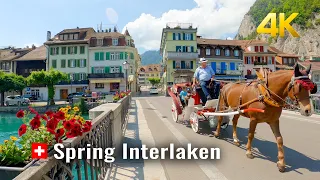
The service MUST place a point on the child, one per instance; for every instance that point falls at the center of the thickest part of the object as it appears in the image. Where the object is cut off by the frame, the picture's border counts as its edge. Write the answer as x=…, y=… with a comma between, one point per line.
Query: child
x=183, y=94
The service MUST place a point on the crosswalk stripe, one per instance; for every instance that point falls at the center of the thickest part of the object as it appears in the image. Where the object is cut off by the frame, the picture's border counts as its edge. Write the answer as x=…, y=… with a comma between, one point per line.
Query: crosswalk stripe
x=208, y=168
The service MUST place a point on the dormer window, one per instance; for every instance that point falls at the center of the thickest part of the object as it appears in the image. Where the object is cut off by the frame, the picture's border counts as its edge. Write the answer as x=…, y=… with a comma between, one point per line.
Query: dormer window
x=227, y=52
x=99, y=42
x=128, y=42
x=76, y=36
x=217, y=52
x=61, y=37
x=115, y=41
x=65, y=37
x=150, y=69
x=236, y=52
x=71, y=36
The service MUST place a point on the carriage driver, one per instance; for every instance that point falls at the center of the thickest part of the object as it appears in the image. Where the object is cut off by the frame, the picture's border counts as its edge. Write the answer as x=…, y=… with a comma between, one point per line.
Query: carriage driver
x=204, y=74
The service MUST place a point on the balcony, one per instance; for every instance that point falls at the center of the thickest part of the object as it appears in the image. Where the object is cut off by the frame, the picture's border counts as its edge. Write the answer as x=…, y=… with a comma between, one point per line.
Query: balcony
x=181, y=55
x=106, y=75
x=73, y=82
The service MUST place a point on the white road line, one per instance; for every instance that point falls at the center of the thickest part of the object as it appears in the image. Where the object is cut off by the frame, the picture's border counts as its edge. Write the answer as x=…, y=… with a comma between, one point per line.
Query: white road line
x=208, y=168
x=152, y=169
x=306, y=119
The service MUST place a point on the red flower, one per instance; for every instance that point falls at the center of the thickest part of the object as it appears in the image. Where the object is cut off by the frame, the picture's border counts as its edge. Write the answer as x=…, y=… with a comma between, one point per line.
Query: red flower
x=68, y=125
x=59, y=115
x=52, y=124
x=35, y=123
x=49, y=113
x=51, y=131
x=20, y=114
x=44, y=117
x=22, y=129
x=37, y=116
x=32, y=110
x=60, y=132
x=73, y=121
x=76, y=130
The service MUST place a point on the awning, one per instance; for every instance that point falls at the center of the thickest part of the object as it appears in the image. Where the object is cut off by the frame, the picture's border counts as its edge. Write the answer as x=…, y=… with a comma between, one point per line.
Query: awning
x=105, y=81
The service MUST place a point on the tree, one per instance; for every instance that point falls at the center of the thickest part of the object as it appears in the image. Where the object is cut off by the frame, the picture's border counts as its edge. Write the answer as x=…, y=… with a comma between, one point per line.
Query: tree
x=154, y=81
x=48, y=78
x=10, y=82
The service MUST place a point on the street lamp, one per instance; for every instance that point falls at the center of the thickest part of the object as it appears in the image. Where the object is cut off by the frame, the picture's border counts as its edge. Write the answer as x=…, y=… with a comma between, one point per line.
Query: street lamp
x=241, y=66
x=126, y=67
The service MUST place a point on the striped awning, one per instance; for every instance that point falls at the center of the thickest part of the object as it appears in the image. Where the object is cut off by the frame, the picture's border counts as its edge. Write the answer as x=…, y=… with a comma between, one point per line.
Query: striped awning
x=105, y=81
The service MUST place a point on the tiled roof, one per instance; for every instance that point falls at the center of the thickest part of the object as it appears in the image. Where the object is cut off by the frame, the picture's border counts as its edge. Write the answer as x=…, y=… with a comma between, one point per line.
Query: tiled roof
x=204, y=41
x=11, y=54
x=76, y=30
x=36, y=54
x=152, y=66
x=107, y=34
x=84, y=35
x=280, y=53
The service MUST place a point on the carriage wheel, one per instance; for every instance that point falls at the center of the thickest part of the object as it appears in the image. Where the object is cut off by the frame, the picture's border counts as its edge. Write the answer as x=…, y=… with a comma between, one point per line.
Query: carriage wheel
x=194, y=121
x=174, y=113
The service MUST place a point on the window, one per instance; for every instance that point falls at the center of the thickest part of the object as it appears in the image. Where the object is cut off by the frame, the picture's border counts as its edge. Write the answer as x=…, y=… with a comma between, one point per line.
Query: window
x=116, y=55
x=72, y=76
x=65, y=37
x=128, y=42
x=187, y=36
x=72, y=63
x=72, y=50
x=54, y=63
x=285, y=61
x=290, y=60
x=261, y=48
x=256, y=48
x=99, y=85
x=82, y=63
x=54, y=51
x=227, y=52
x=99, y=42
x=83, y=76
x=316, y=77
x=63, y=63
x=178, y=36
x=82, y=50
x=249, y=60
x=99, y=70
x=114, y=69
x=61, y=37
x=64, y=50
x=71, y=36
x=236, y=52
x=114, y=86
x=269, y=60
x=76, y=36
x=217, y=52
x=112, y=56
x=207, y=51
x=115, y=42
x=198, y=51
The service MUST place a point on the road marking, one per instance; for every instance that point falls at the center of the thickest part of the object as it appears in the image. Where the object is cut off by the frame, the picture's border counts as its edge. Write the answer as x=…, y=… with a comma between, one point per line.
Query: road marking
x=152, y=169
x=208, y=168
x=301, y=119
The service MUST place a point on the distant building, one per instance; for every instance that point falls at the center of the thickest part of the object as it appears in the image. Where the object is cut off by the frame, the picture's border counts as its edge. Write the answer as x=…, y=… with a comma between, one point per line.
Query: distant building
x=7, y=55
x=284, y=60
x=315, y=67
x=148, y=71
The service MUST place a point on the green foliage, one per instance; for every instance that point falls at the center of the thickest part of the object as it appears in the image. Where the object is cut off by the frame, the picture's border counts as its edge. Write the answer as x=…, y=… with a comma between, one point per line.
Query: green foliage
x=317, y=22
x=49, y=78
x=253, y=35
x=305, y=8
x=270, y=40
x=309, y=25
x=10, y=82
x=83, y=107
x=154, y=81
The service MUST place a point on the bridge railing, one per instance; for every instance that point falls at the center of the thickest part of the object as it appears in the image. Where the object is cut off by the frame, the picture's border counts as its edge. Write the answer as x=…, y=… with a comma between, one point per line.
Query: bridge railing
x=315, y=98
x=108, y=126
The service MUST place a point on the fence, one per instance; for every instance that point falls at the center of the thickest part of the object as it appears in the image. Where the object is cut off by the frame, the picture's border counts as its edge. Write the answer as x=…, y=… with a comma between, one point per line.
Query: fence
x=107, y=126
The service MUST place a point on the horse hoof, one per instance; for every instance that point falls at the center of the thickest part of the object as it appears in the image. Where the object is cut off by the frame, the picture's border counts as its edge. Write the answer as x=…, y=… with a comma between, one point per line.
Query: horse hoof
x=250, y=156
x=281, y=168
x=237, y=143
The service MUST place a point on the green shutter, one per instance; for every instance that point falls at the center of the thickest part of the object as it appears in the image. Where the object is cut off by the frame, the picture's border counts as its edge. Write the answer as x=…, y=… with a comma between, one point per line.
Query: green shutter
x=77, y=76
x=131, y=56
x=63, y=49
x=121, y=55
x=92, y=70
x=57, y=50
x=101, y=56
x=69, y=62
x=51, y=51
x=120, y=69
x=96, y=56
x=85, y=63
x=107, y=55
x=78, y=63
x=191, y=36
x=174, y=36
x=69, y=50
x=107, y=69
x=75, y=49
x=63, y=63
x=173, y=64
x=54, y=63
x=82, y=50
x=126, y=55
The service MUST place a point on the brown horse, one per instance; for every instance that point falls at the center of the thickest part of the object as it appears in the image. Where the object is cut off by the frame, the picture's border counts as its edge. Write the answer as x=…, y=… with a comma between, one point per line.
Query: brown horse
x=268, y=95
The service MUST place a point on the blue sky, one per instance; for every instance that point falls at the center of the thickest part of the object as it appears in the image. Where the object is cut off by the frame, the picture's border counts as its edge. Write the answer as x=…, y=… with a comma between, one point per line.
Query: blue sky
x=25, y=22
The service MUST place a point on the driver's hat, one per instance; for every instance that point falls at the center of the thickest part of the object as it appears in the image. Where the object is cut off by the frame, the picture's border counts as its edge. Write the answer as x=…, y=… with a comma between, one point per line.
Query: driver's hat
x=203, y=60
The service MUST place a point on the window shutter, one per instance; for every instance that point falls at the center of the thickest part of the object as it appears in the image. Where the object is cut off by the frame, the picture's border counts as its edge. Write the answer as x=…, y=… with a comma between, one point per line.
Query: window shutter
x=69, y=62
x=191, y=36
x=121, y=55
x=75, y=49
x=131, y=56
x=78, y=62
x=101, y=56
x=126, y=54
x=272, y=60
x=92, y=70
x=51, y=51
x=54, y=63
x=192, y=48
x=174, y=36
x=69, y=50
x=85, y=63
x=120, y=69
x=179, y=36
x=232, y=66
x=107, y=55
x=57, y=50
x=96, y=56
x=173, y=64
x=183, y=64
x=184, y=36
x=107, y=69
x=183, y=49
x=191, y=64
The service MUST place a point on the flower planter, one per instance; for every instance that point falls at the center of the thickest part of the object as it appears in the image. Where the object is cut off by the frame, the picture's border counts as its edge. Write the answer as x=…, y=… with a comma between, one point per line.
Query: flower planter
x=8, y=173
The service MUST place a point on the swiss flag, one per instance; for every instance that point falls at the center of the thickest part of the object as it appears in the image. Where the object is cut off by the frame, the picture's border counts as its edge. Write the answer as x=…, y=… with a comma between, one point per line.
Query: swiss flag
x=39, y=151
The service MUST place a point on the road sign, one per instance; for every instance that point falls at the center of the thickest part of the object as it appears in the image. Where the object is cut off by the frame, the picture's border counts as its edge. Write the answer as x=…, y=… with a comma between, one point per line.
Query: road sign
x=28, y=89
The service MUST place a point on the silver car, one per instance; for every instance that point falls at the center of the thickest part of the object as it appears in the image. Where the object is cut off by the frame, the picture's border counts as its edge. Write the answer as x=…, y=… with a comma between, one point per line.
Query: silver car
x=16, y=100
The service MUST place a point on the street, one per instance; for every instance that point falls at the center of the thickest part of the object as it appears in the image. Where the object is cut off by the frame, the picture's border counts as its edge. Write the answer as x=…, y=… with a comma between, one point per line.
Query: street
x=151, y=123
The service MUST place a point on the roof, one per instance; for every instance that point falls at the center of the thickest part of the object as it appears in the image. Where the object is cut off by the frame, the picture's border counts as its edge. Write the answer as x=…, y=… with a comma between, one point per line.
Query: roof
x=315, y=65
x=203, y=41
x=108, y=34
x=11, y=54
x=152, y=66
x=280, y=53
x=36, y=54
x=126, y=33
x=76, y=30
x=84, y=35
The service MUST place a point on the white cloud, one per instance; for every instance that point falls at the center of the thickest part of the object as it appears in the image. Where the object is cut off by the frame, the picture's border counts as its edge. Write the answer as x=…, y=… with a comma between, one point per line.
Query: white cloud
x=214, y=19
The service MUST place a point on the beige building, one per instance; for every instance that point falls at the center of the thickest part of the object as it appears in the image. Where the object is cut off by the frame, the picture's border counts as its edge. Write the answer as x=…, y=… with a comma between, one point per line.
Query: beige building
x=149, y=71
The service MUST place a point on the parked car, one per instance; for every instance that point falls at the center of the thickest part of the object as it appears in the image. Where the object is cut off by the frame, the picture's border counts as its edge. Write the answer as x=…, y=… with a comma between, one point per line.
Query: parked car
x=31, y=97
x=75, y=94
x=16, y=100
x=153, y=90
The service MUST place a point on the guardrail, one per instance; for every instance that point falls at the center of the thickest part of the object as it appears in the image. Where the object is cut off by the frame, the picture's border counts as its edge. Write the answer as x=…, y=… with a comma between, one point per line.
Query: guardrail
x=108, y=124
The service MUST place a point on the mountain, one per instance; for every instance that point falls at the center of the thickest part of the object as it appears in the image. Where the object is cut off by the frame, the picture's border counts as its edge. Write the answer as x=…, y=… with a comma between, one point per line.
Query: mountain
x=307, y=24
x=151, y=57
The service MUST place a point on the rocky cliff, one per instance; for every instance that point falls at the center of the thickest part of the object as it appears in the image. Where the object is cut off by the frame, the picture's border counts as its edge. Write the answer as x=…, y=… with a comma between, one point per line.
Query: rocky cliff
x=307, y=44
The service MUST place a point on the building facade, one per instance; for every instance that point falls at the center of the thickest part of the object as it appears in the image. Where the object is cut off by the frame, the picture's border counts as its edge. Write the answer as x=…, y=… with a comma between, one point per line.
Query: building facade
x=179, y=51
x=8, y=55
x=107, y=53
x=149, y=71
x=35, y=60
x=224, y=57
x=284, y=60
x=68, y=53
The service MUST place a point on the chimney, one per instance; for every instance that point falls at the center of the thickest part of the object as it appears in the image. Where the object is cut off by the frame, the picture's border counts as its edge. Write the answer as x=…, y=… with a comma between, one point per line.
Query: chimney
x=33, y=46
x=109, y=29
x=48, y=35
x=115, y=29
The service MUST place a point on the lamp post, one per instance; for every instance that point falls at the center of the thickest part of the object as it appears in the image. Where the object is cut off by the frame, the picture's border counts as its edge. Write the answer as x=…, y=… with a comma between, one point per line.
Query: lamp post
x=126, y=67
x=241, y=66
x=71, y=79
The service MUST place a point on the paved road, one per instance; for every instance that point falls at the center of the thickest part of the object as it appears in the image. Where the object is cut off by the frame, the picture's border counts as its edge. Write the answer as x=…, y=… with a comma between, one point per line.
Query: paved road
x=154, y=125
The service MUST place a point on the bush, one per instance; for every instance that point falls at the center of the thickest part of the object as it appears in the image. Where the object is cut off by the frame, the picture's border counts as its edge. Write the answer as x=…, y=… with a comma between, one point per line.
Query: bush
x=83, y=107
x=317, y=22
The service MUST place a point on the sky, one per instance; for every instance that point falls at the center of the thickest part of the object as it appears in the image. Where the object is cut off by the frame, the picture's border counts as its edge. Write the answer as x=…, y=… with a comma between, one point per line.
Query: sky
x=24, y=23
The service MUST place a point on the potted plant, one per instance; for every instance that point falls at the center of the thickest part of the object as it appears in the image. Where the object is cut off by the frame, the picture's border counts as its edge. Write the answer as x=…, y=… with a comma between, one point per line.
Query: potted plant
x=49, y=128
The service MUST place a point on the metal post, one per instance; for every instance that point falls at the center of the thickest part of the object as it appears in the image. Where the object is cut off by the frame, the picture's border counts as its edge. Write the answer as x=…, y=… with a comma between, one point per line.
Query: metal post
x=126, y=79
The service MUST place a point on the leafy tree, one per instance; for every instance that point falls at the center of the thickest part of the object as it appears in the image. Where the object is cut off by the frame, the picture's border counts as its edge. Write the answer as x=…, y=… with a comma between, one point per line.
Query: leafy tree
x=10, y=82
x=154, y=81
x=48, y=78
